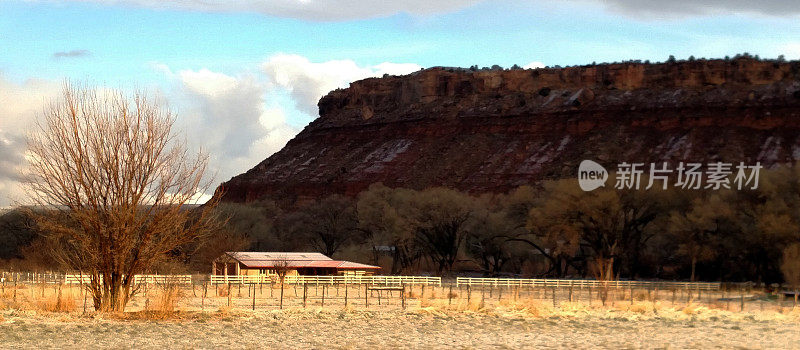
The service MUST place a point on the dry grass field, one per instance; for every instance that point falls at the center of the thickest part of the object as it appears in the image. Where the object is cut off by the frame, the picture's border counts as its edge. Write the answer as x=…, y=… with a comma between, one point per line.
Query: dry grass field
x=182, y=318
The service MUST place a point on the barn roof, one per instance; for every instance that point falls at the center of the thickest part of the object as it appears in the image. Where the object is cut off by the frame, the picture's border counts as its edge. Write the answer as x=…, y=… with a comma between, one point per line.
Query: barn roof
x=293, y=260
x=288, y=256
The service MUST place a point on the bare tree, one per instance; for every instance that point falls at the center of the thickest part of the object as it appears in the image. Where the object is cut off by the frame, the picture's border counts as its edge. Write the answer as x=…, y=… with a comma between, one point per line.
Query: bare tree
x=281, y=266
x=790, y=265
x=118, y=184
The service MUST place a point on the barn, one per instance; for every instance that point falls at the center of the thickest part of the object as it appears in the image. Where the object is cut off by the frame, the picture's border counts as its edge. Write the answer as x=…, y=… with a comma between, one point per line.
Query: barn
x=267, y=263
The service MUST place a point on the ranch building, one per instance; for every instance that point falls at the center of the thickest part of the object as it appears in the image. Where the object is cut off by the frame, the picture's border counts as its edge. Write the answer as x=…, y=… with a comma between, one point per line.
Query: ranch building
x=266, y=263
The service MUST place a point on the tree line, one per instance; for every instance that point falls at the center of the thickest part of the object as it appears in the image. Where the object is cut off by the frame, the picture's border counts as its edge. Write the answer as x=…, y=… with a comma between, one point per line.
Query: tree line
x=553, y=230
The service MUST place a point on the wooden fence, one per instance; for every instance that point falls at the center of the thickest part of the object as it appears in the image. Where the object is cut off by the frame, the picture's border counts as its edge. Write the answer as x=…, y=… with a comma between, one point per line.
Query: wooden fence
x=558, y=283
x=58, y=278
x=330, y=280
x=151, y=279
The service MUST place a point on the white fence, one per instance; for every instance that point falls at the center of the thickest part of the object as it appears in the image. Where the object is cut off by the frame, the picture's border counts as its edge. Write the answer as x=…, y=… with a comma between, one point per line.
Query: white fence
x=330, y=280
x=531, y=282
x=374, y=280
x=157, y=279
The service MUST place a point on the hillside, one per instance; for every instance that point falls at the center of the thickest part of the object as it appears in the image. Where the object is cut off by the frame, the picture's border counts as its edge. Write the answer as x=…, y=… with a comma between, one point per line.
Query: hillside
x=493, y=130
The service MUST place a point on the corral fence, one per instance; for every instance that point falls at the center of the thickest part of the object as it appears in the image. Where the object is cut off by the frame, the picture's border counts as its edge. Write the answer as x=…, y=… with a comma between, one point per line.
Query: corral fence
x=561, y=283
x=60, y=278
x=329, y=280
x=205, y=291
x=150, y=279
x=50, y=277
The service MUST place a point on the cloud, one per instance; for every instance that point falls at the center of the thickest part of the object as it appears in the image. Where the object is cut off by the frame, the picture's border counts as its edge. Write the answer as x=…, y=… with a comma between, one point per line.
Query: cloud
x=315, y=10
x=791, y=50
x=71, y=54
x=237, y=119
x=22, y=102
x=534, y=65
x=226, y=116
x=308, y=81
x=681, y=8
x=343, y=10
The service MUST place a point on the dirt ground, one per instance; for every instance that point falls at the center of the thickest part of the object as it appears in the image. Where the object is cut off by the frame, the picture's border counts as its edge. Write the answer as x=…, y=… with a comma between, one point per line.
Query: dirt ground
x=429, y=320
x=414, y=328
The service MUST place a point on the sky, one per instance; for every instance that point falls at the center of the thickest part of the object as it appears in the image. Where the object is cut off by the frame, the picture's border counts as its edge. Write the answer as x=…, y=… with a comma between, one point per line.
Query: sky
x=244, y=76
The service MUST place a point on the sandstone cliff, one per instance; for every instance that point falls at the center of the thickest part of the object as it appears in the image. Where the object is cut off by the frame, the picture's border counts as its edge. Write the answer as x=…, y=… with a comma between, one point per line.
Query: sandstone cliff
x=490, y=131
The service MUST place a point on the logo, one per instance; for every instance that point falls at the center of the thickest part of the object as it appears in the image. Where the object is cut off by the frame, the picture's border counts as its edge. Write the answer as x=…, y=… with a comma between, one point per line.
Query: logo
x=591, y=175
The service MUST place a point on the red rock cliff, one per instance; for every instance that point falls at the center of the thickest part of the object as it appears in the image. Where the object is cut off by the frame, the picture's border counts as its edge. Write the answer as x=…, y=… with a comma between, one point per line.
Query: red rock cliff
x=490, y=131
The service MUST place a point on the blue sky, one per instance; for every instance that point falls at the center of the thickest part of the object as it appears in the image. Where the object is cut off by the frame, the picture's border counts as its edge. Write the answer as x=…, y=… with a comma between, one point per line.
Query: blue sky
x=122, y=40
x=257, y=67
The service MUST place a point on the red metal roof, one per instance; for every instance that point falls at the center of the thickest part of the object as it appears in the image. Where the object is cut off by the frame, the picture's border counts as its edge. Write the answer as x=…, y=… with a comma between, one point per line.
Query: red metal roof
x=356, y=266
x=266, y=260
x=329, y=263
x=341, y=264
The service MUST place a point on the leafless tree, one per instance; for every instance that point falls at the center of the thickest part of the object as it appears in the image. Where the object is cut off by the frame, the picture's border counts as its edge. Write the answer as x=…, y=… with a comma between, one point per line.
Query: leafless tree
x=281, y=266
x=790, y=265
x=118, y=186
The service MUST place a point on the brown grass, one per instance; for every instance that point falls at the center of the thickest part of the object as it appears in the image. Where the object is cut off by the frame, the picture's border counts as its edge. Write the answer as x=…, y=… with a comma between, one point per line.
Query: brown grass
x=165, y=300
x=57, y=302
x=44, y=298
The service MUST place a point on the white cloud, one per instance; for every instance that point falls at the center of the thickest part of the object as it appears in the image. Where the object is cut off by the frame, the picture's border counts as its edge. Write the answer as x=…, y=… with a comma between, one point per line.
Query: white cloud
x=22, y=102
x=790, y=50
x=308, y=81
x=342, y=10
x=226, y=116
x=71, y=54
x=679, y=8
x=316, y=10
x=534, y=65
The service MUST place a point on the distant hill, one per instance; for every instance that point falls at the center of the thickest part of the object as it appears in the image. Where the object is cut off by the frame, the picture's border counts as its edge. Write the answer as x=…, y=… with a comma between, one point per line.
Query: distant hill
x=493, y=130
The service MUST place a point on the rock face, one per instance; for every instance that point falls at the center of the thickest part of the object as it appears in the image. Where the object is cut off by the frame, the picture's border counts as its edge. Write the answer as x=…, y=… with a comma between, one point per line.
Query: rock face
x=490, y=131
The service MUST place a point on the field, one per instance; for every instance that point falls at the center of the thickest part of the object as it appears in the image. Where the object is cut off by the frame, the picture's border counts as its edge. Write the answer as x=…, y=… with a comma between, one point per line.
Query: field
x=435, y=318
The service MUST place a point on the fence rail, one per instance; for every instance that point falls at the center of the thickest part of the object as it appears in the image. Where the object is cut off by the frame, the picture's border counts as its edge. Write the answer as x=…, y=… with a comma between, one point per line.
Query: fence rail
x=58, y=278
x=524, y=282
x=152, y=279
x=330, y=280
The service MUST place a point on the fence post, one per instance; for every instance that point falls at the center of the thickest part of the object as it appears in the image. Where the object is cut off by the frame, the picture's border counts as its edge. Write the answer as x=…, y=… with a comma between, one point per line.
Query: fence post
x=450, y=296
x=741, y=300
x=366, y=295
x=570, y=291
x=254, y=295
x=305, y=292
x=402, y=295
x=203, y=301
x=554, y=297
x=469, y=294
x=631, y=287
